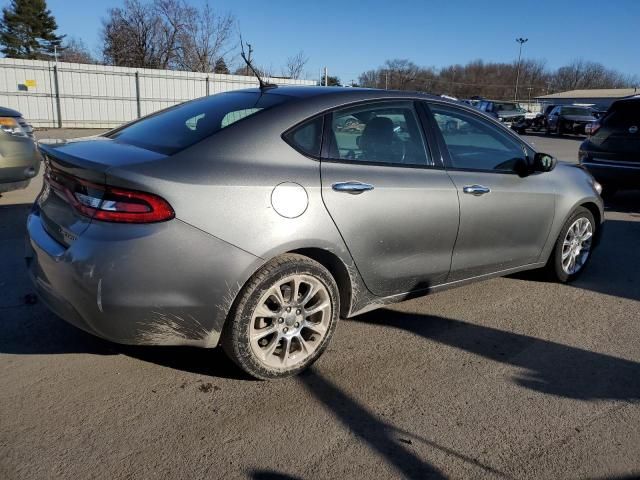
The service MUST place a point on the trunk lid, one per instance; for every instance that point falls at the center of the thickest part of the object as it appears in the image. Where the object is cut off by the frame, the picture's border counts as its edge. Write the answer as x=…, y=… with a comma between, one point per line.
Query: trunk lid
x=74, y=169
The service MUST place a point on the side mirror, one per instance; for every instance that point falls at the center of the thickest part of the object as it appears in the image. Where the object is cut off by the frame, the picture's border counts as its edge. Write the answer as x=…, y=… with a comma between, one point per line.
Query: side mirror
x=543, y=162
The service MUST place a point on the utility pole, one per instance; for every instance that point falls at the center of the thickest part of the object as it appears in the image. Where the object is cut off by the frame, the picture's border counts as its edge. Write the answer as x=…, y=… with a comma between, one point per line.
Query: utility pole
x=386, y=79
x=326, y=77
x=521, y=41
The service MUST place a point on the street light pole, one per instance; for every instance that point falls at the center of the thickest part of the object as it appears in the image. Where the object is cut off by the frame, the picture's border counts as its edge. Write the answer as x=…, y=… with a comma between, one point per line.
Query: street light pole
x=521, y=41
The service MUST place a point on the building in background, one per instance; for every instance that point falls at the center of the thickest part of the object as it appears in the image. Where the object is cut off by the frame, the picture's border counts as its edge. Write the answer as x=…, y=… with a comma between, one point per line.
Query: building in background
x=599, y=97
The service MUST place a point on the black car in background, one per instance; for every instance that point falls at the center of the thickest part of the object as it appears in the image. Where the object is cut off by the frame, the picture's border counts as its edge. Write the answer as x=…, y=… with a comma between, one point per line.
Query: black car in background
x=569, y=119
x=612, y=151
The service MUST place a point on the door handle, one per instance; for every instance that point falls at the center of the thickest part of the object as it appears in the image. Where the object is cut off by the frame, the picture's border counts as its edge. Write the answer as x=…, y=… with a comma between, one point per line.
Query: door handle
x=476, y=190
x=352, y=187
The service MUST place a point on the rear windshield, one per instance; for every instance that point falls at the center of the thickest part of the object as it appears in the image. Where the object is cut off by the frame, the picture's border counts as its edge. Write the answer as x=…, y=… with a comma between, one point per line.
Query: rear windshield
x=179, y=127
x=506, y=107
x=623, y=114
x=576, y=111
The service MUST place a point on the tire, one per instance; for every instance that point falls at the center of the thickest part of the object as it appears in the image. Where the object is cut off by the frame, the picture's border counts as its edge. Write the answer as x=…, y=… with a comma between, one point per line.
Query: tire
x=557, y=264
x=291, y=333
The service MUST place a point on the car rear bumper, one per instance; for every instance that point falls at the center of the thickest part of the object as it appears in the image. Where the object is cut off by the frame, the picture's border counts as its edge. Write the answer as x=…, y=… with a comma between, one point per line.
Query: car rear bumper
x=621, y=174
x=575, y=127
x=158, y=284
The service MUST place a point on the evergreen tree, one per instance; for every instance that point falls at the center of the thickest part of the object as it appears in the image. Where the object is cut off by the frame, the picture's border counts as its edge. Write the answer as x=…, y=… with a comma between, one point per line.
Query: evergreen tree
x=221, y=66
x=28, y=30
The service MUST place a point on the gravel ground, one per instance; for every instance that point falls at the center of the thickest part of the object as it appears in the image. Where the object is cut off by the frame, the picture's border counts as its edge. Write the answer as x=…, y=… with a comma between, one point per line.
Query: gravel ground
x=510, y=378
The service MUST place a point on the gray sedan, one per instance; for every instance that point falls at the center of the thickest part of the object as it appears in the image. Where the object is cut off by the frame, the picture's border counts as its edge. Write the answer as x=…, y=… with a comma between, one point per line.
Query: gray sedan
x=255, y=219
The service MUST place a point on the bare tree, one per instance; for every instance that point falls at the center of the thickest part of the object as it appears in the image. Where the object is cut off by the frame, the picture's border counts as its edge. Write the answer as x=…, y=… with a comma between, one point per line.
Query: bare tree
x=581, y=74
x=205, y=41
x=131, y=36
x=295, y=65
x=175, y=19
x=75, y=51
x=168, y=34
x=493, y=80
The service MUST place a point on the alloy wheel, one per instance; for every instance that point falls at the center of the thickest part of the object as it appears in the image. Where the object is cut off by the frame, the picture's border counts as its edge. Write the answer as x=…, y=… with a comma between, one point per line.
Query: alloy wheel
x=576, y=246
x=290, y=322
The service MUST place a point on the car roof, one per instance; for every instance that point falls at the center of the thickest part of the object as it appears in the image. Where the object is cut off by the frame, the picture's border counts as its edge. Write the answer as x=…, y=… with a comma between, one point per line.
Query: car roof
x=9, y=112
x=626, y=101
x=339, y=92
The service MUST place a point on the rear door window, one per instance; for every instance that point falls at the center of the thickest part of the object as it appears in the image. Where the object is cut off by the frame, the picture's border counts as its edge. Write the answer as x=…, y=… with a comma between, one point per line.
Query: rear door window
x=179, y=127
x=383, y=132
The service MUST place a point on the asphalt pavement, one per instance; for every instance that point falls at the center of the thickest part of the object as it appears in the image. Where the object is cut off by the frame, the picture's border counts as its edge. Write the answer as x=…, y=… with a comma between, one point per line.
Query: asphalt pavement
x=509, y=378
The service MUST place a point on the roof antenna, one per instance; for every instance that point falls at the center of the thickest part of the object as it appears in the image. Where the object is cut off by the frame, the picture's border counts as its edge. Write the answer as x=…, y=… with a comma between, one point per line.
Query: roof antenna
x=263, y=85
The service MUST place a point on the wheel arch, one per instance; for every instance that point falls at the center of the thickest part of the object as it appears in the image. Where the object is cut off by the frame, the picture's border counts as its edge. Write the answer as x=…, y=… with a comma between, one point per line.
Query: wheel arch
x=597, y=216
x=338, y=271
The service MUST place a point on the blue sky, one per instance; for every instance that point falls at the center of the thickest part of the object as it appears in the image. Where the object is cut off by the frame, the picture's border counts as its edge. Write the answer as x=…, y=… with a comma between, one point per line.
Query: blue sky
x=350, y=37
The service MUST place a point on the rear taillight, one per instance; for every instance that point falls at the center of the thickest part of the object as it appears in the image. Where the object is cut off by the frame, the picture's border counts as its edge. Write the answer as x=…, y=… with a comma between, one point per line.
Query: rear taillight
x=110, y=204
x=592, y=128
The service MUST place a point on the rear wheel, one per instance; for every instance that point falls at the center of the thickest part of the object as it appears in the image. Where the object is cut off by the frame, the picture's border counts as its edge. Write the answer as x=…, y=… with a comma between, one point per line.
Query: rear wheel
x=284, y=318
x=573, y=246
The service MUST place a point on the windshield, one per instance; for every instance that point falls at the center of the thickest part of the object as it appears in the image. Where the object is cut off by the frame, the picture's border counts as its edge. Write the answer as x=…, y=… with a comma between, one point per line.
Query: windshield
x=181, y=126
x=506, y=107
x=576, y=111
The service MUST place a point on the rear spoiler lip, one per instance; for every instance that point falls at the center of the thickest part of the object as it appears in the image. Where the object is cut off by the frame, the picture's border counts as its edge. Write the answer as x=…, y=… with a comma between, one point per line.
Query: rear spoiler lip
x=77, y=167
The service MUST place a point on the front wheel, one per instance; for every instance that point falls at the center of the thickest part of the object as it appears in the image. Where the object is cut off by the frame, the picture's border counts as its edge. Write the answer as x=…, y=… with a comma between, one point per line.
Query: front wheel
x=573, y=246
x=283, y=319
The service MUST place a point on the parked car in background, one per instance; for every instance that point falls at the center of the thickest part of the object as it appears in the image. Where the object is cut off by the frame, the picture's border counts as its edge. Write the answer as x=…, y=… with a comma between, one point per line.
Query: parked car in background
x=531, y=121
x=19, y=158
x=509, y=113
x=280, y=220
x=611, y=152
x=569, y=119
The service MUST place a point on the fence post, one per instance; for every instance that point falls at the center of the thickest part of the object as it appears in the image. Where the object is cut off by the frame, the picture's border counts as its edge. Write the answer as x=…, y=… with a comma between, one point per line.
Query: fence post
x=57, y=94
x=207, y=89
x=138, y=94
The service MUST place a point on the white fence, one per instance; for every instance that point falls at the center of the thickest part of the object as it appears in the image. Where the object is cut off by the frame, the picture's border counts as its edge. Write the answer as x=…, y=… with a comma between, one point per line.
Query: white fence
x=96, y=96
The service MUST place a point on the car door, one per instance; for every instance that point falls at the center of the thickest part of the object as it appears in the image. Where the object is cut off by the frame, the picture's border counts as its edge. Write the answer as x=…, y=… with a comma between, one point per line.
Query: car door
x=395, y=207
x=504, y=218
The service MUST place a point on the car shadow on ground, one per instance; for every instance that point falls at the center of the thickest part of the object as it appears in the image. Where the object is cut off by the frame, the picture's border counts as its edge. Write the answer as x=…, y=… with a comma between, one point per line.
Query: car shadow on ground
x=548, y=367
